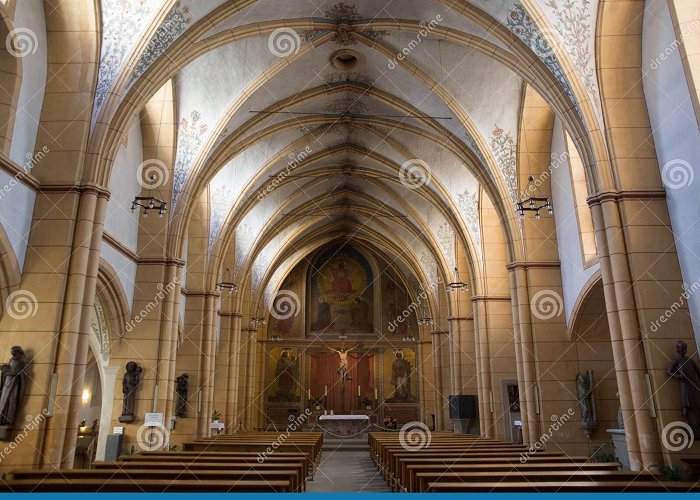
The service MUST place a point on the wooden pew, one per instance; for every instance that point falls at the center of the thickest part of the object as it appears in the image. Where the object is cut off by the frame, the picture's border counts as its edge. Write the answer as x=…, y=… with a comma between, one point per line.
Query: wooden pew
x=418, y=476
x=558, y=487
x=138, y=475
x=214, y=458
x=144, y=485
x=425, y=480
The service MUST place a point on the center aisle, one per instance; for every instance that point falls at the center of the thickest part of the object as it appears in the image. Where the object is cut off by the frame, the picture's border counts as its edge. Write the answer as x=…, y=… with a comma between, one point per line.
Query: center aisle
x=346, y=469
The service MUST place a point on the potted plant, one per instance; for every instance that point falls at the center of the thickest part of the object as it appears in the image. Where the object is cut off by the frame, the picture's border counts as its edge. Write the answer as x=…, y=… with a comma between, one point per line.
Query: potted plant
x=215, y=416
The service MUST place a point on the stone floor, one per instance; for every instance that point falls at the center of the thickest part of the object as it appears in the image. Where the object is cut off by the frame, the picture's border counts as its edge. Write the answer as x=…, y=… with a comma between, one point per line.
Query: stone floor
x=345, y=466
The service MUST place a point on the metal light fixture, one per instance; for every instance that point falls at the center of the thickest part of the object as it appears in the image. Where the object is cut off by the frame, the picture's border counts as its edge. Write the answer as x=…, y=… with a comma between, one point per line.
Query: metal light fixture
x=533, y=203
x=424, y=318
x=229, y=285
x=275, y=338
x=148, y=203
x=257, y=319
x=456, y=285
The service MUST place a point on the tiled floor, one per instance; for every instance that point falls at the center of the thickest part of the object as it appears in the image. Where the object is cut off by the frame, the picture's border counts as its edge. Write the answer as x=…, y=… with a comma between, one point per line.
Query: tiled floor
x=347, y=471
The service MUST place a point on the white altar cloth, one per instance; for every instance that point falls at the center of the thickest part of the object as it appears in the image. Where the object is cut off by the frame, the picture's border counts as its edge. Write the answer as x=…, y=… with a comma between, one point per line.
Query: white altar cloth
x=343, y=417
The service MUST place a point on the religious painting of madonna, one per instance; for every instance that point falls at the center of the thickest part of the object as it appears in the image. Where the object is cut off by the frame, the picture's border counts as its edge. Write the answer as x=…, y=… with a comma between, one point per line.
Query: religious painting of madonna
x=341, y=293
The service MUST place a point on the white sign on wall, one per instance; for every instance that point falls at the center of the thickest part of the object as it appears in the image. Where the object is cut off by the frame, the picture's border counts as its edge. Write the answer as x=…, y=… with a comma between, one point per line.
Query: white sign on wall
x=153, y=419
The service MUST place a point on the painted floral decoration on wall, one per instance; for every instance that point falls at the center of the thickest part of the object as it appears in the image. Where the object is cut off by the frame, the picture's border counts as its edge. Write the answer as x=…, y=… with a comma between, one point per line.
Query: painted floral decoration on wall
x=504, y=149
x=219, y=206
x=174, y=25
x=574, y=26
x=122, y=23
x=469, y=204
x=522, y=25
x=446, y=237
x=190, y=136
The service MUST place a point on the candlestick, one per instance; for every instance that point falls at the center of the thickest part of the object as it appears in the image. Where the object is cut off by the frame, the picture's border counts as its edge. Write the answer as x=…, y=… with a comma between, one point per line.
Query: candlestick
x=325, y=391
x=309, y=393
x=376, y=394
x=358, y=390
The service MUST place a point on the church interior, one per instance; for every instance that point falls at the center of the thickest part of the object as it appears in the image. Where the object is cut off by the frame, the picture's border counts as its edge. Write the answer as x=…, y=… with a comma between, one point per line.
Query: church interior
x=372, y=246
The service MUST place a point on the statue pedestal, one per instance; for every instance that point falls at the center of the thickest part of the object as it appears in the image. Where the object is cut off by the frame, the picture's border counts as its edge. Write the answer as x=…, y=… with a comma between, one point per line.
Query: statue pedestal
x=5, y=432
x=127, y=419
x=620, y=442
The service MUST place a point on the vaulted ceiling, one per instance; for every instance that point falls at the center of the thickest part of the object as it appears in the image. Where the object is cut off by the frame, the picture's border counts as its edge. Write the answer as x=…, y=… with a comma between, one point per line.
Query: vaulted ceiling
x=387, y=121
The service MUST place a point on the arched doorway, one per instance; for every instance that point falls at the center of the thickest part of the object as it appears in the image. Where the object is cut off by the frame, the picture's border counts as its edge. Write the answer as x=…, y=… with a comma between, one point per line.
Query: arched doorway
x=99, y=379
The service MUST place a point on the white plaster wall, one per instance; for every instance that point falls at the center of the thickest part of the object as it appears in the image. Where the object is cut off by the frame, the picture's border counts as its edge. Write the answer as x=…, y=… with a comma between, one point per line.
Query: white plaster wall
x=16, y=209
x=573, y=274
x=676, y=137
x=29, y=14
x=120, y=222
x=123, y=266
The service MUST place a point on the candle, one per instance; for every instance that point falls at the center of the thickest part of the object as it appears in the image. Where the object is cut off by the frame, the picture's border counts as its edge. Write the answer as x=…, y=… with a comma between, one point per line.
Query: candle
x=325, y=390
x=309, y=393
x=358, y=390
x=376, y=394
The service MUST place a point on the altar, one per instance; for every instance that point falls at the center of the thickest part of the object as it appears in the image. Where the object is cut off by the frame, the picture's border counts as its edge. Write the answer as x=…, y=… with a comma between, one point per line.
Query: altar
x=344, y=425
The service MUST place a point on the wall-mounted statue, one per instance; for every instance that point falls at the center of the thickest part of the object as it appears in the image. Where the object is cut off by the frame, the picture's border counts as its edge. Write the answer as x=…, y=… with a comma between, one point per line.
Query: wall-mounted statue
x=687, y=373
x=286, y=373
x=588, y=419
x=130, y=381
x=12, y=390
x=183, y=385
x=401, y=379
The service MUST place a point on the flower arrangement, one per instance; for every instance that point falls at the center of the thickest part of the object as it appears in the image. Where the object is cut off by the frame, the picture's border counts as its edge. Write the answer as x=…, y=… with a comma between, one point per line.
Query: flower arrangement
x=390, y=422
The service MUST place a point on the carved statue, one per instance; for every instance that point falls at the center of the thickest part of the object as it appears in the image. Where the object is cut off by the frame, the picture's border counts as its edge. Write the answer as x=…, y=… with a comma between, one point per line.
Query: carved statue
x=588, y=420
x=344, y=365
x=12, y=392
x=183, y=385
x=686, y=371
x=130, y=381
x=401, y=379
x=286, y=376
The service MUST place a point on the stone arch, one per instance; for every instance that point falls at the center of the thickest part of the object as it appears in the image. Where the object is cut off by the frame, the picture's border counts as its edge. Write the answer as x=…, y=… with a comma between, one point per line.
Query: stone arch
x=10, y=274
x=10, y=81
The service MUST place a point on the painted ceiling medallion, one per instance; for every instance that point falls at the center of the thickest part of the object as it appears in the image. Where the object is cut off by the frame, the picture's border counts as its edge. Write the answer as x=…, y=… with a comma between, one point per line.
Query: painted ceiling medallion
x=349, y=105
x=352, y=77
x=346, y=18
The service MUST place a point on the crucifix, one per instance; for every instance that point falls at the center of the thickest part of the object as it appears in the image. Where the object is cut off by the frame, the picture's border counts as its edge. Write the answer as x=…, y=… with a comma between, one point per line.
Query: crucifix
x=343, y=368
